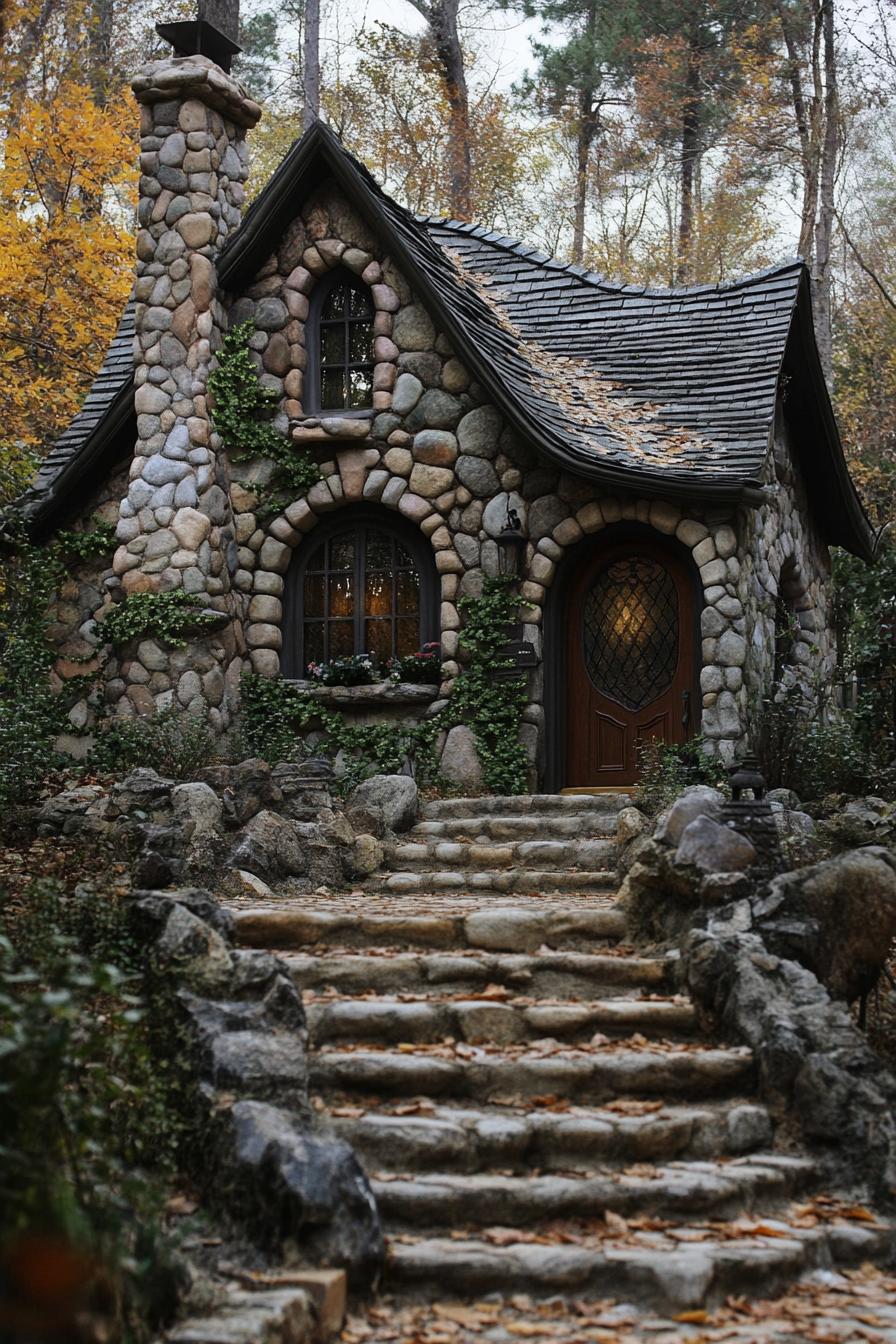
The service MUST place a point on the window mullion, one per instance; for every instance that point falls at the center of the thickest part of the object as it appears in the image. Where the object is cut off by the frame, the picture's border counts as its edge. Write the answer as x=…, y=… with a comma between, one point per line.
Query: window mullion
x=360, y=594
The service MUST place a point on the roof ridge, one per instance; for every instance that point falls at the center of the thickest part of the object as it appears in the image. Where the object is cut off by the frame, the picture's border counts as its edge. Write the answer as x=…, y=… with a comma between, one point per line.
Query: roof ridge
x=495, y=238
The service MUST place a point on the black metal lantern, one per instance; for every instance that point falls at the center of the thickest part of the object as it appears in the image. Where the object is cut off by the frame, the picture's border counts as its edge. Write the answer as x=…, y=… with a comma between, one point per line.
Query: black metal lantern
x=511, y=544
x=753, y=817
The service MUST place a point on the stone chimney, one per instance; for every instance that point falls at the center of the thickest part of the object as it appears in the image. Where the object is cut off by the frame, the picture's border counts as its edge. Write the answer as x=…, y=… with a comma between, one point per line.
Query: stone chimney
x=175, y=528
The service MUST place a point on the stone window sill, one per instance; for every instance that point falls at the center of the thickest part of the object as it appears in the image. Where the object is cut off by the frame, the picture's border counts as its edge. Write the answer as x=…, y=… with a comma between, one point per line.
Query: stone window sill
x=380, y=693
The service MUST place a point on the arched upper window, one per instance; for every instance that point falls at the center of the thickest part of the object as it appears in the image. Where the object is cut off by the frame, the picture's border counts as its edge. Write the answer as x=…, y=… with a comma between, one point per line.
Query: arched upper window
x=340, y=345
x=365, y=585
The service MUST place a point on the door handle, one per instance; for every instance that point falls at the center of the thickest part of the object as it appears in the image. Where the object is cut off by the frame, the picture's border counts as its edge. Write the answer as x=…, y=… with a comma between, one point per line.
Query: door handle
x=685, y=708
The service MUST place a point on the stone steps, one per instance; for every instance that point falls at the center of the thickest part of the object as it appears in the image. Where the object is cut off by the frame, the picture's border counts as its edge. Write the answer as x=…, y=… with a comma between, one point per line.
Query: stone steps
x=393, y=1021
x=695, y=1189
x=671, y=1277
x=507, y=929
x=458, y=1139
x=565, y=975
x=525, y=804
x=496, y=881
x=523, y=856
x=537, y=1111
x=581, y=825
x=589, y=1077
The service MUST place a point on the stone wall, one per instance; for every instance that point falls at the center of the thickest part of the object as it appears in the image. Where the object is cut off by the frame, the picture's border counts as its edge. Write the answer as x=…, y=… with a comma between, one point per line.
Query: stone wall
x=175, y=525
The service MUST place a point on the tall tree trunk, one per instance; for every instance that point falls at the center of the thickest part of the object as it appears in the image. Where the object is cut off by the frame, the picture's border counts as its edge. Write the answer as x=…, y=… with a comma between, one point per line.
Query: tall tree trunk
x=441, y=17
x=587, y=130
x=100, y=49
x=311, y=64
x=690, y=153
x=807, y=118
x=821, y=270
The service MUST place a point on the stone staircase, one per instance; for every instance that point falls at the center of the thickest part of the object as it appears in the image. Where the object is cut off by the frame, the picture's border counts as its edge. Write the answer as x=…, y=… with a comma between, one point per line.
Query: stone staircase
x=536, y=1108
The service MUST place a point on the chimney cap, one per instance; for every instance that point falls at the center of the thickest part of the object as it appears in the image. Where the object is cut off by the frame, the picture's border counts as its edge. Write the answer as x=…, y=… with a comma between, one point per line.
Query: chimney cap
x=198, y=37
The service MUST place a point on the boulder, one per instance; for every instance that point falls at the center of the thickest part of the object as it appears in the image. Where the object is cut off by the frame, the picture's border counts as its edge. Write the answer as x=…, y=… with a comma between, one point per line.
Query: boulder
x=55, y=812
x=698, y=801
x=862, y=821
x=365, y=856
x=199, y=804
x=460, y=759
x=245, y=789
x=786, y=797
x=837, y=918
x=142, y=791
x=392, y=797
x=711, y=848
x=150, y=910
x=191, y=950
x=269, y=846
x=292, y=1186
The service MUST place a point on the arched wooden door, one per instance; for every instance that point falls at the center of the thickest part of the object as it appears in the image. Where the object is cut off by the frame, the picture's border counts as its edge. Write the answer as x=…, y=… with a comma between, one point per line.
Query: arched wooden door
x=629, y=661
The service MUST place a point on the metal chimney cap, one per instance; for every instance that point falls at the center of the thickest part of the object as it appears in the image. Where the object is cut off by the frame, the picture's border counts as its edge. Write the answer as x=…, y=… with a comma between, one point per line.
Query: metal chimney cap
x=198, y=37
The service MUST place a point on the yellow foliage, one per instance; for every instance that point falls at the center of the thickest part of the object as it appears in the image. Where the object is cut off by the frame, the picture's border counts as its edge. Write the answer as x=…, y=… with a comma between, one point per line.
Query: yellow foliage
x=66, y=240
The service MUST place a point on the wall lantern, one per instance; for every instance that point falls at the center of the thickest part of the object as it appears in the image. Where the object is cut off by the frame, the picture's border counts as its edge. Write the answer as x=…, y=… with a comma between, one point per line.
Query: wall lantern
x=511, y=544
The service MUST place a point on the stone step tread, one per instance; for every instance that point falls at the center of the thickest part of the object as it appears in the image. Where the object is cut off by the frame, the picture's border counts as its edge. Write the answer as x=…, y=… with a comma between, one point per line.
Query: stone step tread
x=650, y=1268
x=473, y=1138
x=677, y=1189
x=498, y=826
x=470, y=854
x=558, y=973
x=508, y=929
x=522, y=880
x=487, y=1019
x=547, y=804
x=588, y=1076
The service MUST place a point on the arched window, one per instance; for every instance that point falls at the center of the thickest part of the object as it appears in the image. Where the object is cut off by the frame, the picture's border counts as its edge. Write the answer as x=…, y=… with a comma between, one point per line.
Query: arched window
x=340, y=345
x=365, y=585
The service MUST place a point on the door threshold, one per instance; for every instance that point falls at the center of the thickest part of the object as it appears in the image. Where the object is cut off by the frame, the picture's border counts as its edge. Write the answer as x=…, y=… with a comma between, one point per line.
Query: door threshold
x=601, y=788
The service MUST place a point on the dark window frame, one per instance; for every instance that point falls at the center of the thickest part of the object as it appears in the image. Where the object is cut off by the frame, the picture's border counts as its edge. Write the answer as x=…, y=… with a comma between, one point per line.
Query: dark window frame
x=313, y=403
x=357, y=521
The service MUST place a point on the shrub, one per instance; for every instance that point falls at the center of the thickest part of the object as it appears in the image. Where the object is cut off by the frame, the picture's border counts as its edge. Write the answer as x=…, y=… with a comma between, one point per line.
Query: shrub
x=87, y=1135
x=800, y=748
x=176, y=744
x=666, y=771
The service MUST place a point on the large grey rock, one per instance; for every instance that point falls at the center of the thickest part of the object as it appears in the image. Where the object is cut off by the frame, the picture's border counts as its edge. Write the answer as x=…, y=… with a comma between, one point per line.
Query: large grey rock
x=460, y=760
x=698, y=801
x=245, y=789
x=269, y=846
x=200, y=805
x=296, y=1187
x=191, y=951
x=142, y=791
x=150, y=910
x=394, y=797
x=261, y=1066
x=838, y=918
x=712, y=848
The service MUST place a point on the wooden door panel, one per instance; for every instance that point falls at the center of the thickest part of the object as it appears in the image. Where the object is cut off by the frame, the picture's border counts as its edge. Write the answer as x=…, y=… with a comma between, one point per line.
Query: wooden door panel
x=629, y=660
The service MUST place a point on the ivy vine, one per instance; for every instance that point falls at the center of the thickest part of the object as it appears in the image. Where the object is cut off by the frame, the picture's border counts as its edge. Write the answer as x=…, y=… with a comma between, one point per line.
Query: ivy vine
x=489, y=701
x=276, y=713
x=242, y=412
x=485, y=697
x=167, y=616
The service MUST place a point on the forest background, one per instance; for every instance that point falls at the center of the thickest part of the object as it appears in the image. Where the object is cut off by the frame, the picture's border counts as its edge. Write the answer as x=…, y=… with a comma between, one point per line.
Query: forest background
x=657, y=142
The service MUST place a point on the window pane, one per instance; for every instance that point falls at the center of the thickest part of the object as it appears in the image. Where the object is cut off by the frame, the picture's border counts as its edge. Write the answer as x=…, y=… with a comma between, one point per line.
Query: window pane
x=341, y=595
x=342, y=553
x=314, y=642
x=314, y=595
x=378, y=638
x=359, y=347
x=407, y=636
x=378, y=595
x=332, y=388
x=360, y=387
x=402, y=557
x=334, y=304
x=358, y=303
x=317, y=559
x=378, y=551
x=408, y=593
x=342, y=638
x=332, y=345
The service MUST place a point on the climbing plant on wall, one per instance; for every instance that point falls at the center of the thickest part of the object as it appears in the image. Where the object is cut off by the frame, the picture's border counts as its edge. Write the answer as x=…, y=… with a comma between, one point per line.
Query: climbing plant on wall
x=242, y=412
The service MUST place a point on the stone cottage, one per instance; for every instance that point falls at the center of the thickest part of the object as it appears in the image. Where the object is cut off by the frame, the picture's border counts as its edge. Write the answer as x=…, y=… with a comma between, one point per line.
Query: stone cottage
x=661, y=467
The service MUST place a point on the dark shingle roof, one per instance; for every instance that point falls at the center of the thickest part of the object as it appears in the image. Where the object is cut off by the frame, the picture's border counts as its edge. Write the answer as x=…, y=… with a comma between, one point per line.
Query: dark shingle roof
x=660, y=392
